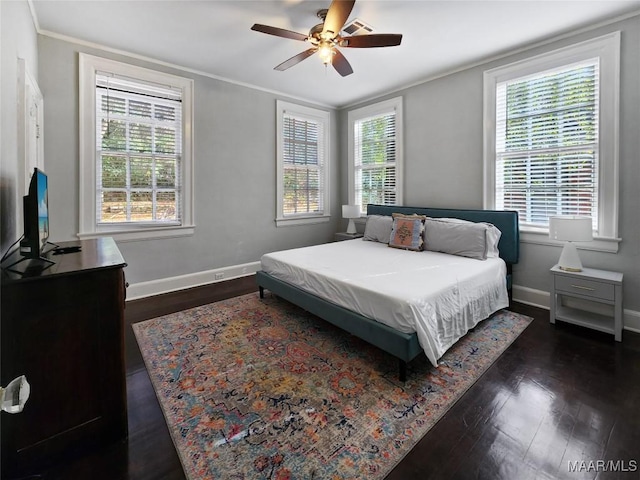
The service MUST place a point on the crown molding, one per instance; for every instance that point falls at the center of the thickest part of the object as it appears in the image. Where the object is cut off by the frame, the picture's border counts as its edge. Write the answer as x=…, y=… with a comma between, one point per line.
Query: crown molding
x=182, y=68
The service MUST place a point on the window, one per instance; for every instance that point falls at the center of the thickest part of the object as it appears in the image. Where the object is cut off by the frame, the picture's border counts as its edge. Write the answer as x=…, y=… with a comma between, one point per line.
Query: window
x=303, y=166
x=375, y=154
x=551, y=136
x=135, y=151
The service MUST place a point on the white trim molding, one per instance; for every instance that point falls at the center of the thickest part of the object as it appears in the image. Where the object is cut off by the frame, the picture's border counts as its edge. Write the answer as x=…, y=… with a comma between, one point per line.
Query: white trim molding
x=606, y=49
x=392, y=105
x=541, y=237
x=139, y=290
x=30, y=124
x=88, y=66
x=323, y=119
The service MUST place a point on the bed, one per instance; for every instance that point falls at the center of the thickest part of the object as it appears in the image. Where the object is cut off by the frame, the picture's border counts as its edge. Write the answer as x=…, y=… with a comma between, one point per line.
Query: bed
x=384, y=306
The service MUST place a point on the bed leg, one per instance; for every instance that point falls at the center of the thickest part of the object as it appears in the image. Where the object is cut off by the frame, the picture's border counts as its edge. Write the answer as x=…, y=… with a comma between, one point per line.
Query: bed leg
x=261, y=291
x=403, y=371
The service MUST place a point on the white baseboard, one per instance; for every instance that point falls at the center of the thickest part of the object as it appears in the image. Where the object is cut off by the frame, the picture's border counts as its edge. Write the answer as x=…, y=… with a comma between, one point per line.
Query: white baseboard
x=172, y=284
x=631, y=320
x=540, y=298
x=530, y=296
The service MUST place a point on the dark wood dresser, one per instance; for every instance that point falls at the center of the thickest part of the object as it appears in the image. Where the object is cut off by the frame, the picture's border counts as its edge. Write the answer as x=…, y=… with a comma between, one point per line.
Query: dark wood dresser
x=63, y=327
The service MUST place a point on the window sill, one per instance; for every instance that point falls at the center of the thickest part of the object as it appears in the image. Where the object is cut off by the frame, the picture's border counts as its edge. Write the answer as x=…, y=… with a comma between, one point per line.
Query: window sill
x=136, y=234
x=541, y=237
x=292, y=221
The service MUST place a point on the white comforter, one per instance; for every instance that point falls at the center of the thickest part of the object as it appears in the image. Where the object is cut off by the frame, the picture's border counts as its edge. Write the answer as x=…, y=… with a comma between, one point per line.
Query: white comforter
x=436, y=295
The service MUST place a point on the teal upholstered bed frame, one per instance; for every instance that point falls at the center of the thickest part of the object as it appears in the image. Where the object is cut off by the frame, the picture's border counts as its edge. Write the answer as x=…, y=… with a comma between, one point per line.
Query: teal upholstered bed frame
x=404, y=346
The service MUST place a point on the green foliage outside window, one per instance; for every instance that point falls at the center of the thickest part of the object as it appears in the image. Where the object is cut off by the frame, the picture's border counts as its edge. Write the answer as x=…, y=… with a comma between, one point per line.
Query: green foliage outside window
x=377, y=153
x=549, y=154
x=139, y=160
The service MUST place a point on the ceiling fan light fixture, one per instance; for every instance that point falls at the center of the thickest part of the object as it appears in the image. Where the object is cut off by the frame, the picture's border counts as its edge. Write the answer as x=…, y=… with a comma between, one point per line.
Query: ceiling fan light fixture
x=326, y=52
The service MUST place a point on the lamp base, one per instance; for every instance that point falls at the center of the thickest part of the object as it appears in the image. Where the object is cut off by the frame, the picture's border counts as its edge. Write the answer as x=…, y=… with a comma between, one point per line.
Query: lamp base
x=569, y=269
x=351, y=228
x=569, y=259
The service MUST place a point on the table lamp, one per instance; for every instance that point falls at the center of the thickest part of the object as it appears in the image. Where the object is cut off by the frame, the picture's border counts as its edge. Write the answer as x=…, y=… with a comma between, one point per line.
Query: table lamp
x=351, y=212
x=570, y=228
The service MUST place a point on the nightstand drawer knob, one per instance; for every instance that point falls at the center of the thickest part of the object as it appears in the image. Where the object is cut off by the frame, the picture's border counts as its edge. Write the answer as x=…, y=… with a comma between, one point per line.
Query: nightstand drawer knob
x=582, y=287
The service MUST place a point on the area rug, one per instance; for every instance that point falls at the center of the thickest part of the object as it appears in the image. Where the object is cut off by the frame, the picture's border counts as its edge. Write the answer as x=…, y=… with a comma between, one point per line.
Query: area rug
x=259, y=389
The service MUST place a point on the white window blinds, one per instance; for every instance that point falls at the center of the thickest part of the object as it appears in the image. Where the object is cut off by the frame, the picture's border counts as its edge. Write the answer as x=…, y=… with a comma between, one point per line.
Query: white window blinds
x=375, y=155
x=139, y=149
x=303, y=164
x=547, y=144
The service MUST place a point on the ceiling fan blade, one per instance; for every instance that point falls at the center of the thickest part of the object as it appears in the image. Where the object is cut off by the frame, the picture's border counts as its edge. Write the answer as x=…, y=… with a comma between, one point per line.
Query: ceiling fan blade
x=337, y=15
x=374, y=40
x=340, y=63
x=295, y=59
x=279, y=32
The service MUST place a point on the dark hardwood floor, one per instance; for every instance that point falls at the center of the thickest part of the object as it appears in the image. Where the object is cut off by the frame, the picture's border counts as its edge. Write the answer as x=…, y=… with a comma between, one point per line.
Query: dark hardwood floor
x=558, y=398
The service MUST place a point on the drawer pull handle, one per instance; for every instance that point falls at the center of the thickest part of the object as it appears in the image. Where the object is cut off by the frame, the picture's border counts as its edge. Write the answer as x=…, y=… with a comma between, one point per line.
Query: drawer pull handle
x=582, y=287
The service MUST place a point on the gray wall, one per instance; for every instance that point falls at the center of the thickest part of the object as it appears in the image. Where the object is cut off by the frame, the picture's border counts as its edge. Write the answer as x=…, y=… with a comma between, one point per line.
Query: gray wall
x=18, y=39
x=234, y=164
x=443, y=122
x=235, y=176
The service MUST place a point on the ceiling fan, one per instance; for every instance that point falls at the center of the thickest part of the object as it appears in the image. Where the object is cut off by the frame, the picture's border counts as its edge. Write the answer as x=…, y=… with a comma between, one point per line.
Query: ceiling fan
x=325, y=38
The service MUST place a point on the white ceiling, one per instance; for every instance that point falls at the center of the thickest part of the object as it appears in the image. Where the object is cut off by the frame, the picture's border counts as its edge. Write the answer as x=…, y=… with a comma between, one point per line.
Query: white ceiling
x=214, y=37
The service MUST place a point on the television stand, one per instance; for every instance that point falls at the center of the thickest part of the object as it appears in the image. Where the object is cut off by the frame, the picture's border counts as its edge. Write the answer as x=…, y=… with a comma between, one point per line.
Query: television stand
x=63, y=328
x=37, y=265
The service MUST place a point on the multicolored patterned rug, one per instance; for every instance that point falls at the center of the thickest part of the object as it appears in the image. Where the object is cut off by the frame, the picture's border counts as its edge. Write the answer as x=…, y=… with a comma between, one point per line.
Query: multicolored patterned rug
x=260, y=389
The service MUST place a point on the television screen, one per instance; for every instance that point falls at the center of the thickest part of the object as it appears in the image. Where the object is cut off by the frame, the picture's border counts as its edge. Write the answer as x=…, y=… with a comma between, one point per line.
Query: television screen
x=36, y=216
x=43, y=209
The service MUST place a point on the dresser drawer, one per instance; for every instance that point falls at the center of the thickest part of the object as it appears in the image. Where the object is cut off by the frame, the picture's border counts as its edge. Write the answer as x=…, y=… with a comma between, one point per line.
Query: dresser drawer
x=587, y=288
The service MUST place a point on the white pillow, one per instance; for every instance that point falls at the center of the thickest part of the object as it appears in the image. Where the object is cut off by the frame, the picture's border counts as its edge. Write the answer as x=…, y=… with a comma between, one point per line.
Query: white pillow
x=455, y=238
x=493, y=235
x=378, y=228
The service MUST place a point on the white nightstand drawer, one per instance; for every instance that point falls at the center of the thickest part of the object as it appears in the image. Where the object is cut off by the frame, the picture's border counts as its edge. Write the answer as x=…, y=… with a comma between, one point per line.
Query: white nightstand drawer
x=588, y=288
x=596, y=286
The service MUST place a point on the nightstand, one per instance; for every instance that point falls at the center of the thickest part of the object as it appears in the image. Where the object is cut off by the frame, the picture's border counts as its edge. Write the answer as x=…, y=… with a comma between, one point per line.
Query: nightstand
x=599, y=286
x=338, y=237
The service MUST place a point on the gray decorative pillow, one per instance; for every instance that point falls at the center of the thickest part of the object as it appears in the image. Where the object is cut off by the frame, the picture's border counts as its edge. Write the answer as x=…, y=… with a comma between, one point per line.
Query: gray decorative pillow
x=378, y=228
x=493, y=234
x=456, y=238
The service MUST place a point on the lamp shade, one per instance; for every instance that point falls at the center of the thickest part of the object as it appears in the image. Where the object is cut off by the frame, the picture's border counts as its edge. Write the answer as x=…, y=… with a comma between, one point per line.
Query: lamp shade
x=350, y=211
x=571, y=228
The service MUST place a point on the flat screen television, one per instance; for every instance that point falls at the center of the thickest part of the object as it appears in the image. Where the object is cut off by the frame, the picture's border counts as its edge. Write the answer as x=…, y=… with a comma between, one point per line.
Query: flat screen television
x=36, y=217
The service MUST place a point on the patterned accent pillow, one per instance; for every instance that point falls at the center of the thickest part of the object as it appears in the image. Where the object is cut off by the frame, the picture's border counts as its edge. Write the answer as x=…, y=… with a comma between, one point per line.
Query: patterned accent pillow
x=407, y=232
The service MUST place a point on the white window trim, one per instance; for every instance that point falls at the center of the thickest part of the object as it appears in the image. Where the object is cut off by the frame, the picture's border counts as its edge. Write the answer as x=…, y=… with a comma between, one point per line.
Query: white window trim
x=88, y=66
x=607, y=48
x=380, y=108
x=321, y=116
